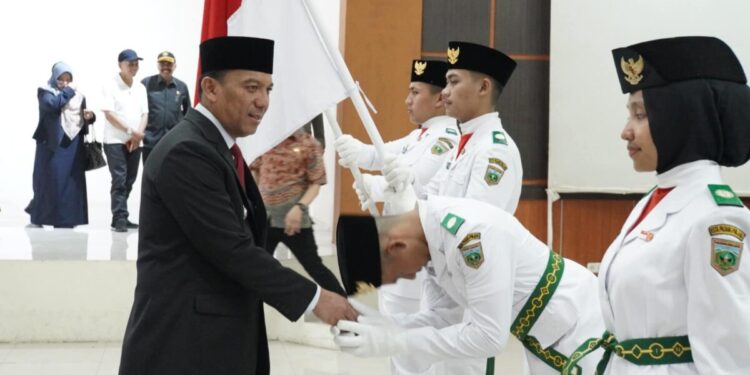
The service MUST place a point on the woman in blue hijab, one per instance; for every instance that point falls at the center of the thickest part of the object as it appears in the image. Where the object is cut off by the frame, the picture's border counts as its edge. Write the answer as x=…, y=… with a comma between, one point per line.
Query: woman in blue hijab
x=59, y=165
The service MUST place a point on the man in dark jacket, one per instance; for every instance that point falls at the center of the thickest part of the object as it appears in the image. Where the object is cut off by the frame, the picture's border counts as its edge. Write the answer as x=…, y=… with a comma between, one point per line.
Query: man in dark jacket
x=203, y=273
x=168, y=102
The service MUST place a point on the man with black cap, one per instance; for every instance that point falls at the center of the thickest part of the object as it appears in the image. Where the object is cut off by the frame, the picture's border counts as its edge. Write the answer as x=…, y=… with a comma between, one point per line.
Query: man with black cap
x=203, y=274
x=168, y=101
x=423, y=150
x=125, y=107
x=486, y=165
x=673, y=289
x=481, y=260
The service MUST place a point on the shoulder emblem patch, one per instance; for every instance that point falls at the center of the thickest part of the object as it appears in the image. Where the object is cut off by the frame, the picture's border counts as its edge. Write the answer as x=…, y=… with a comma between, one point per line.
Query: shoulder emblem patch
x=495, y=170
x=471, y=250
x=499, y=137
x=452, y=222
x=724, y=196
x=441, y=146
x=451, y=131
x=726, y=253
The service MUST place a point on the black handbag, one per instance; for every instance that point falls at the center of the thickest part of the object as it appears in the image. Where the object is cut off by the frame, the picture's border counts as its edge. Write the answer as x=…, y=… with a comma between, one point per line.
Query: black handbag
x=93, y=150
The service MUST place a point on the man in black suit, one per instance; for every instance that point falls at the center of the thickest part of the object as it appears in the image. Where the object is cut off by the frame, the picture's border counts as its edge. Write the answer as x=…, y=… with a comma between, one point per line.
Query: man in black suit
x=202, y=270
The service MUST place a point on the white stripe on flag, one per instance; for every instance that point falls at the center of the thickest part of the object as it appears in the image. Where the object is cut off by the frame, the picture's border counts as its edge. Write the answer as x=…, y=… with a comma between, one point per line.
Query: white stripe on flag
x=305, y=80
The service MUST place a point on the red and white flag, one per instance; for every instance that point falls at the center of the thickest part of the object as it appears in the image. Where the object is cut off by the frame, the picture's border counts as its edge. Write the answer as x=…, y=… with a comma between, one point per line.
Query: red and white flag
x=305, y=79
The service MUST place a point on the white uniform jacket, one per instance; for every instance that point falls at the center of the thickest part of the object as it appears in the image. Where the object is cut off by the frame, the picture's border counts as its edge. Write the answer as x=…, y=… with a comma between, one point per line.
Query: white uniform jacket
x=423, y=152
x=492, y=287
x=488, y=169
x=664, y=277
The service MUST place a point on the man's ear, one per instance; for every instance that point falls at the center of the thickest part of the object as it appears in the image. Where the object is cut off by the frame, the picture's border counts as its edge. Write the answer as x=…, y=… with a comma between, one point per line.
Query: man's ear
x=208, y=88
x=486, y=87
x=394, y=247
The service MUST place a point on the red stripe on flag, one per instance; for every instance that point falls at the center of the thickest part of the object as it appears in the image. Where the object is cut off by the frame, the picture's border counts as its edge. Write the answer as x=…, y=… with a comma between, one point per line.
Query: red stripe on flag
x=215, y=16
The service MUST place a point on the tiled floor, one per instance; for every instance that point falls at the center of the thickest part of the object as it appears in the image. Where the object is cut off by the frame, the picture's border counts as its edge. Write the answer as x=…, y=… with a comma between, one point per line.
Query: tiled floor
x=286, y=359
x=104, y=359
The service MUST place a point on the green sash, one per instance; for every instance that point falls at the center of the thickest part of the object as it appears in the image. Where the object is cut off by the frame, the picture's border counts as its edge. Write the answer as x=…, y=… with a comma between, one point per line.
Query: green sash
x=533, y=308
x=642, y=352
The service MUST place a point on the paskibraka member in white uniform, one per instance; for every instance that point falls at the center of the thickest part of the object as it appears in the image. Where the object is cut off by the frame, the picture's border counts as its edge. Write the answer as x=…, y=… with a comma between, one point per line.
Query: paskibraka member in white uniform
x=674, y=289
x=480, y=260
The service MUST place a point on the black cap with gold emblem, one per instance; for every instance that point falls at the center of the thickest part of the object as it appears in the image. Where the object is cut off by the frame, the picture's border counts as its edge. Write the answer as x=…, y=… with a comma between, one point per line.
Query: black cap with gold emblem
x=659, y=62
x=358, y=249
x=429, y=71
x=237, y=53
x=478, y=58
x=696, y=98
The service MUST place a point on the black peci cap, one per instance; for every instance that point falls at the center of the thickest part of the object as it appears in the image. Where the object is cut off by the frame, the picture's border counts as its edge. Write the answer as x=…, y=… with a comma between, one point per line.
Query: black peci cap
x=429, y=71
x=237, y=53
x=662, y=61
x=478, y=58
x=358, y=248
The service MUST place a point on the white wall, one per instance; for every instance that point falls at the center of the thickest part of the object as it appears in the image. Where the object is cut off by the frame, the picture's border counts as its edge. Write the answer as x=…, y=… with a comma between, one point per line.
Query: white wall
x=587, y=108
x=88, y=35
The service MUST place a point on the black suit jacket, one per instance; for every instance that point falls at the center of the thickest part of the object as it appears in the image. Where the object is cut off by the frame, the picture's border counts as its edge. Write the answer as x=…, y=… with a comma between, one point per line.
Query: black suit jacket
x=202, y=270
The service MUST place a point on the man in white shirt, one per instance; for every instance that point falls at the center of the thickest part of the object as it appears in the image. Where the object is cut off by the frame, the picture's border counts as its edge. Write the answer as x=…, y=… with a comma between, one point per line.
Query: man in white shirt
x=125, y=107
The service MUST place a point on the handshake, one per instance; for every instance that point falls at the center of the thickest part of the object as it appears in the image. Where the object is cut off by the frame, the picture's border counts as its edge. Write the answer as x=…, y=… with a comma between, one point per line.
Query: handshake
x=372, y=335
x=395, y=185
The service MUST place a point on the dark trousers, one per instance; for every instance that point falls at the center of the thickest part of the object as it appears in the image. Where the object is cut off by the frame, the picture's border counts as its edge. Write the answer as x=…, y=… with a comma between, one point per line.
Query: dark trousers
x=123, y=166
x=305, y=250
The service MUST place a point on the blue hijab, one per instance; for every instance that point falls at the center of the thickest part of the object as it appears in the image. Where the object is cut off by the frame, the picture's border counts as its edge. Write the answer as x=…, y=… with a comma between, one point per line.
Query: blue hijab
x=57, y=70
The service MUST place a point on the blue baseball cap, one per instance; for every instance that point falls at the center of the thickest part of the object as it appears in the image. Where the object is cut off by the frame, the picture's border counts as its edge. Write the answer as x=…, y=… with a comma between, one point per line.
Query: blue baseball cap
x=128, y=55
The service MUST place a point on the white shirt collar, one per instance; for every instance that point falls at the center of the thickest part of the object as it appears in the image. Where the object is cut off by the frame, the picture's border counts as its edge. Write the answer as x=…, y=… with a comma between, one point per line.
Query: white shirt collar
x=122, y=83
x=702, y=171
x=472, y=125
x=434, y=120
x=210, y=116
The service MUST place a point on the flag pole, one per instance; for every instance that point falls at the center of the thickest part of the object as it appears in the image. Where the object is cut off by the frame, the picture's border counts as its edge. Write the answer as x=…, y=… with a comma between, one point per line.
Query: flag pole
x=351, y=87
x=331, y=116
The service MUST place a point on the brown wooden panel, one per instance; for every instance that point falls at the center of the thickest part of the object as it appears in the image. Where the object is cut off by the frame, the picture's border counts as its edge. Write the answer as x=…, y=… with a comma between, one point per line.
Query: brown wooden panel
x=585, y=228
x=446, y=20
x=532, y=213
x=524, y=110
x=378, y=39
x=523, y=27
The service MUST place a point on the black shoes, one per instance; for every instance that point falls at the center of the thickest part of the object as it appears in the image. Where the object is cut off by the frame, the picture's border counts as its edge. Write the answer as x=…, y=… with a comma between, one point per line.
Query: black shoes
x=122, y=225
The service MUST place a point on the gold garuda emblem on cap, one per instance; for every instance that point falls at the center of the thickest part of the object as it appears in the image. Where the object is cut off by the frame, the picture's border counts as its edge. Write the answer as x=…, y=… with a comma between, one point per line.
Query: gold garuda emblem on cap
x=419, y=67
x=364, y=288
x=453, y=54
x=632, y=69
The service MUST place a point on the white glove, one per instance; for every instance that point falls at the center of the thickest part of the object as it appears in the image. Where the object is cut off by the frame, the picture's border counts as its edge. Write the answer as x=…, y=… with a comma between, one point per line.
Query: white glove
x=365, y=197
x=369, y=315
x=396, y=172
x=401, y=202
x=349, y=149
x=365, y=340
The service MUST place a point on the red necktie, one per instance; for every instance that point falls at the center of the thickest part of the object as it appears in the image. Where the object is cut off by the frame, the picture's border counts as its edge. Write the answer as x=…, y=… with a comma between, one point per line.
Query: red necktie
x=239, y=164
x=656, y=197
x=464, y=138
x=421, y=133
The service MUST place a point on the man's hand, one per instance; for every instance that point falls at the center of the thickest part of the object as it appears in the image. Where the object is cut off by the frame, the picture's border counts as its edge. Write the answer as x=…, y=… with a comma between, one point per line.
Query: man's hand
x=396, y=172
x=293, y=221
x=365, y=197
x=332, y=307
x=348, y=149
x=365, y=340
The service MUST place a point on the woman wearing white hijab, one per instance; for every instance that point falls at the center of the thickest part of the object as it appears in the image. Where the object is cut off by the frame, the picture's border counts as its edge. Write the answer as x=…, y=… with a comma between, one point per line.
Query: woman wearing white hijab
x=59, y=179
